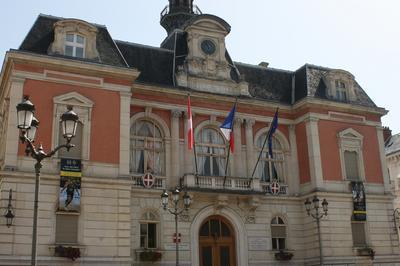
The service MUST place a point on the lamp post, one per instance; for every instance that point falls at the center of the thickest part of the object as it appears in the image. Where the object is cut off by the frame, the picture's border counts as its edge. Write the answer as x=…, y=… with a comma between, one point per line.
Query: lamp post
x=396, y=215
x=317, y=215
x=28, y=126
x=176, y=211
x=9, y=214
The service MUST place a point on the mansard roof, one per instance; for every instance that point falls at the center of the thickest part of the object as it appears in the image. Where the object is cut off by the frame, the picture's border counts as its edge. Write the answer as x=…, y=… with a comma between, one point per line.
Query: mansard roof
x=392, y=145
x=156, y=65
x=41, y=35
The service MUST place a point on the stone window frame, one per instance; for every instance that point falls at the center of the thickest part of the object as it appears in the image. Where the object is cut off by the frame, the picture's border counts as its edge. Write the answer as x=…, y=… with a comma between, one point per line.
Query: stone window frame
x=150, y=216
x=165, y=131
x=83, y=107
x=336, y=76
x=280, y=137
x=79, y=27
x=352, y=141
x=212, y=123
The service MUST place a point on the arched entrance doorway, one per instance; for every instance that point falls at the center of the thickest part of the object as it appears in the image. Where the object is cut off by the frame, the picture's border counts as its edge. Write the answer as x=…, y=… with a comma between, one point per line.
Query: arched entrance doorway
x=217, y=242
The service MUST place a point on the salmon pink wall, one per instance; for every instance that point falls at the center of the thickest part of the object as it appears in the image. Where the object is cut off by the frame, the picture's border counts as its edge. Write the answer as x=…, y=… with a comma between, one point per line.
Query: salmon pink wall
x=105, y=120
x=330, y=156
x=302, y=153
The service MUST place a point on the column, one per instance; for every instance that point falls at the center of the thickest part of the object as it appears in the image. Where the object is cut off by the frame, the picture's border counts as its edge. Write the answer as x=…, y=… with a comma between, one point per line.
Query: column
x=175, y=115
x=250, y=158
x=239, y=170
x=124, y=134
x=314, y=152
x=16, y=93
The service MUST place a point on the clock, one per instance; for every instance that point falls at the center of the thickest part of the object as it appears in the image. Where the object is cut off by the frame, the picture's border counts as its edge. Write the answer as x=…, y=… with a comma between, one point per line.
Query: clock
x=208, y=47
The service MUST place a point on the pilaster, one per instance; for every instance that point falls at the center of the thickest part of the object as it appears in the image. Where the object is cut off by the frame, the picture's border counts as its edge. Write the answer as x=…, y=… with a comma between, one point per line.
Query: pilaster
x=16, y=93
x=237, y=155
x=250, y=161
x=382, y=156
x=293, y=169
x=175, y=116
x=124, y=134
x=314, y=152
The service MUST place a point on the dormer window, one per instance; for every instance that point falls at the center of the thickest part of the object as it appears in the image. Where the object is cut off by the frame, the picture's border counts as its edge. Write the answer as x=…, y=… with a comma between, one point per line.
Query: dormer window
x=341, y=93
x=74, y=45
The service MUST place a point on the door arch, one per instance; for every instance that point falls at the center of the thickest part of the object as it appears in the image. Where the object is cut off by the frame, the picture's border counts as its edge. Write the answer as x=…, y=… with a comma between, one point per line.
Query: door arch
x=217, y=245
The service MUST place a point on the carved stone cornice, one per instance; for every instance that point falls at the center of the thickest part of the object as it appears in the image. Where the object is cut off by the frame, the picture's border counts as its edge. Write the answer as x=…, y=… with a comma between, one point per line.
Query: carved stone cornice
x=176, y=113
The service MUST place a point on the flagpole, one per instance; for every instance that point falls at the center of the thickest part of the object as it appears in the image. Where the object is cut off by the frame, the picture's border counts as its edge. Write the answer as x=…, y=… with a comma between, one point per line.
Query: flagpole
x=192, y=136
x=262, y=149
x=229, y=150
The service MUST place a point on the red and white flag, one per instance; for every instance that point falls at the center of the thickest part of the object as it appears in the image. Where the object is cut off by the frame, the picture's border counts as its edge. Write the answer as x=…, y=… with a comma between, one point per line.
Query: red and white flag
x=190, y=125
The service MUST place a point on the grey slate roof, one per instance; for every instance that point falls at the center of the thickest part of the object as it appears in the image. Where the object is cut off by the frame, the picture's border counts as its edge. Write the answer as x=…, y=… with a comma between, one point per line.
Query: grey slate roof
x=41, y=36
x=392, y=145
x=156, y=64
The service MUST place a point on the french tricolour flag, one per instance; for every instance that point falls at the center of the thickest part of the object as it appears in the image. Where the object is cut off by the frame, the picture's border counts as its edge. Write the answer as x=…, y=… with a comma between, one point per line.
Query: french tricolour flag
x=227, y=127
x=190, y=125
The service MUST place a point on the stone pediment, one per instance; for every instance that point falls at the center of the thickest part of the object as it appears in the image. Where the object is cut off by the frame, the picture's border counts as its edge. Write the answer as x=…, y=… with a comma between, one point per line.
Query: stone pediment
x=74, y=99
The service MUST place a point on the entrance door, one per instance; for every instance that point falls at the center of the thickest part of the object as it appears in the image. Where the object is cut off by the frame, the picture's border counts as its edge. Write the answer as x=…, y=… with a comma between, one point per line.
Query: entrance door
x=217, y=242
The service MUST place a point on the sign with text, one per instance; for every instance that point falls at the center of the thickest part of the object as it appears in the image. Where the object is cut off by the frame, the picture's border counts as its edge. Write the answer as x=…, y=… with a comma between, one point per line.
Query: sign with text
x=359, y=205
x=70, y=185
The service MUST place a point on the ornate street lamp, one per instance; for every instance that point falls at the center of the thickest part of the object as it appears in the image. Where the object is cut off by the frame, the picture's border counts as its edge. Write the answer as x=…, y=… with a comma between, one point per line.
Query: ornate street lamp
x=9, y=214
x=317, y=215
x=176, y=211
x=28, y=125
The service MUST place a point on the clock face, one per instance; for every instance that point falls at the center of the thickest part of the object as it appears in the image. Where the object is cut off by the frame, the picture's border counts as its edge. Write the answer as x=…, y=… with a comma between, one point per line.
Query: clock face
x=208, y=47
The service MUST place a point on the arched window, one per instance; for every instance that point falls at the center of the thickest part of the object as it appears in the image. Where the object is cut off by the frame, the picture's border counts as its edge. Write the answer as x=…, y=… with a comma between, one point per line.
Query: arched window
x=278, y=233
x=270, y=167
x=147, y=148
x=211, y=152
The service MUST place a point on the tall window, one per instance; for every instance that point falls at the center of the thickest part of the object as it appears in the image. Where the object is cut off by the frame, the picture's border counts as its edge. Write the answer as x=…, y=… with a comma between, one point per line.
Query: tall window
x=351, y=165
x=268, y=168
x=74, y=45
x=211, y=152
x=147, y=148
x=358, y=233
x=341, y=93
x=148, y=230
x=278, y=233
x=66, y=228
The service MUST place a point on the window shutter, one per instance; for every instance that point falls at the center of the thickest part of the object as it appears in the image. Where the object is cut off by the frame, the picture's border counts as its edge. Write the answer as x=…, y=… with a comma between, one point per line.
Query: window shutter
x=66, y=229
x=358, y=232
x=351, y=164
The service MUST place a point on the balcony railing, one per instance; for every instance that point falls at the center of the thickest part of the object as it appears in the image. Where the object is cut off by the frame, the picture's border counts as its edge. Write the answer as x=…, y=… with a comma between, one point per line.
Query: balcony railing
x=159, y=182
x=231, y=183
x=165, y=11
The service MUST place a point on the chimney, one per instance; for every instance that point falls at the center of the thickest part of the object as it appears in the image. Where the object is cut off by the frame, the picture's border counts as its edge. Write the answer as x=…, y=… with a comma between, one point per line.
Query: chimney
x=387, y=133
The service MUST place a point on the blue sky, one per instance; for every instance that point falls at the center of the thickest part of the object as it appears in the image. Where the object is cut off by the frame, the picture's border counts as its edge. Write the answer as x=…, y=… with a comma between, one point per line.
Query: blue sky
x=361, y=36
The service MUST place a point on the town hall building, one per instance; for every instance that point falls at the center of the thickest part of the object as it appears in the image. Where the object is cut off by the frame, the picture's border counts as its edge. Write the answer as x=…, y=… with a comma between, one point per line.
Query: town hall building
x=241, y=202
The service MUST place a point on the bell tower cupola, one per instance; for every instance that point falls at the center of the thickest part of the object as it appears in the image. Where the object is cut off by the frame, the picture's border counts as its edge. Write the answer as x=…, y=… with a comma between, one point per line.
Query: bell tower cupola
x=177, y=13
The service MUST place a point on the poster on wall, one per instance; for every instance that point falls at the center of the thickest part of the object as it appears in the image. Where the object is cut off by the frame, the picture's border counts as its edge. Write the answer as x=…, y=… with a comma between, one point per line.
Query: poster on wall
x=70, y=185
x=359, y=204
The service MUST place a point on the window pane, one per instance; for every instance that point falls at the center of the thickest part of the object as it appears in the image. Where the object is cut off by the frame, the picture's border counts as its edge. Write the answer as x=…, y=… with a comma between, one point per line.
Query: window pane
x=282, y=244
x=225, y=229
x=206, y=254
x=205, y=230
x=351, y=165
x=69, y=50
x=215, y=230
x=358, y=232
x=274, y=243
x=278, y=231
x=79, y=52
x=152, y=236
x=69, y=37
x=79, y=39
x=224, y=256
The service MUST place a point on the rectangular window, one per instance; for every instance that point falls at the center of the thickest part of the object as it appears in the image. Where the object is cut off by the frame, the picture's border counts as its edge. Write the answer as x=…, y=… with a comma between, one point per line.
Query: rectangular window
x=351, y=165
x=74, y=45
x=66, y=229
x=358, y=232
x=148, y=235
